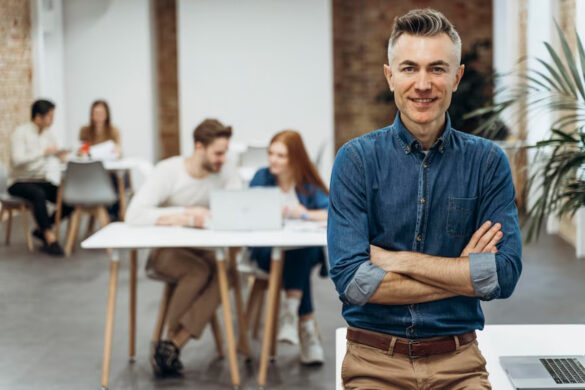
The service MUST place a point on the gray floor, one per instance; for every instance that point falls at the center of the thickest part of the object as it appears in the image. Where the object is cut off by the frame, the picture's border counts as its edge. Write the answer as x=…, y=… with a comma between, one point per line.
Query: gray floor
x=52, y=322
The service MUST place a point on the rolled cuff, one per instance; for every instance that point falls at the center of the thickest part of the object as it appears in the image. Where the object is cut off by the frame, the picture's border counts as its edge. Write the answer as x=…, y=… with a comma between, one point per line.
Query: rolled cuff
x=364, y=283
x=484, y=275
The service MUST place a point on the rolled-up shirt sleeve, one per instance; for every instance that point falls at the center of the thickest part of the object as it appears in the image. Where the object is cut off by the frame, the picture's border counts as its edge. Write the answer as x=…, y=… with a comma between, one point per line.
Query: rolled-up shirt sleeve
x=355, y=277
x=484, y=274
x=494, y=276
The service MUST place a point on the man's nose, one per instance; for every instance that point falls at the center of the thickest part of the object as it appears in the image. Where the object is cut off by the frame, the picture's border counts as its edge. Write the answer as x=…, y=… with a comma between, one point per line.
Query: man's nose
x=423, y=81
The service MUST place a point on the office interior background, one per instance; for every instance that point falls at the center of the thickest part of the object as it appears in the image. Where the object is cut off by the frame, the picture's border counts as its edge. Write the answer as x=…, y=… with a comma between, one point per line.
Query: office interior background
x=260, y=66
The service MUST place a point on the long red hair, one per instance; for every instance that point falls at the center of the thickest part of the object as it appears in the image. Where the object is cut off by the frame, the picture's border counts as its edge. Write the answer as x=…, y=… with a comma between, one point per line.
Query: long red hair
x=303, y=170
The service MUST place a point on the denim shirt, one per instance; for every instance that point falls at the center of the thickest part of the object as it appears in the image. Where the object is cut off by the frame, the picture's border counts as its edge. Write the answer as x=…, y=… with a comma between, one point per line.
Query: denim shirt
x=386, y=192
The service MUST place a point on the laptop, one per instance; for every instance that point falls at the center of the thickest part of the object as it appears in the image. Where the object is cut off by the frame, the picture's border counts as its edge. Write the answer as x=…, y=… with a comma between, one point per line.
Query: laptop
x=545, y=372
x=248, y=209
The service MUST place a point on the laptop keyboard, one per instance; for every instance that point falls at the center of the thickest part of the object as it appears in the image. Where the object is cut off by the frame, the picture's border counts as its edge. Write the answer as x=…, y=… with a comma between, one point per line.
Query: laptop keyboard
x=565, y=370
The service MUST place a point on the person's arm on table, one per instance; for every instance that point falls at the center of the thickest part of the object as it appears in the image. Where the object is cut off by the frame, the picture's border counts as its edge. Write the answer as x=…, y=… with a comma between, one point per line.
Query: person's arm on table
x=144, y=209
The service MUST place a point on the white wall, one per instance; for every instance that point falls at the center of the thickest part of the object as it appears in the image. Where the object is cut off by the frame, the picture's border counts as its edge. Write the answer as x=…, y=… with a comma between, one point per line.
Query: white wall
x=539, y=29
x=47, y=39
x=108, y=54
x=259, y=65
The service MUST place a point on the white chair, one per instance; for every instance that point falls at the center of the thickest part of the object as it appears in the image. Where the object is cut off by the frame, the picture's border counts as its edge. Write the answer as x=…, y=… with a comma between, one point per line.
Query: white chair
x=9, y=203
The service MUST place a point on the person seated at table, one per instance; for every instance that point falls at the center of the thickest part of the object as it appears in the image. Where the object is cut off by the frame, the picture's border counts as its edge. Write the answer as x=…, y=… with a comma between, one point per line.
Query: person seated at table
x=305, y=196
x=177, y=194
x=100, y=130
x=31, y=146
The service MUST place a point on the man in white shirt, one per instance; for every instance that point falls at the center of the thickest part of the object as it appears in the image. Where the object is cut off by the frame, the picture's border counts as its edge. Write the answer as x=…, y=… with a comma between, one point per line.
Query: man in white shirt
x=31, y=146
x=177, y=194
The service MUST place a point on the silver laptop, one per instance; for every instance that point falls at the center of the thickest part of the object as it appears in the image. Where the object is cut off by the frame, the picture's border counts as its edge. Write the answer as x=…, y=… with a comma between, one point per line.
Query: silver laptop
x=545, y=372
x=248, y=209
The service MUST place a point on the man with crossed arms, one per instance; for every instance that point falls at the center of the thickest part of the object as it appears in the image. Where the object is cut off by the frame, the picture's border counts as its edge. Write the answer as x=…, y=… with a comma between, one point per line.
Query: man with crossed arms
x=422, y=226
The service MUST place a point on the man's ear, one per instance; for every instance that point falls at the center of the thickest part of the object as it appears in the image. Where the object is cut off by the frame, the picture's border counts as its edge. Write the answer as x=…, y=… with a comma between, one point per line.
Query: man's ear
x=388, y=75
x=458, y=77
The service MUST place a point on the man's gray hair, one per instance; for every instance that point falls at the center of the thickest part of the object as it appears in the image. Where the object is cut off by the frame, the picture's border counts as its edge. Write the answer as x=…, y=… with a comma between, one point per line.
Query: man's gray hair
x=426, y=23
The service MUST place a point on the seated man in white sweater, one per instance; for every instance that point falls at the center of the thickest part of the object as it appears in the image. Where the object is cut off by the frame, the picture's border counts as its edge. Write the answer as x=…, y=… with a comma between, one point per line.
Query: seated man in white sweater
x=177, y=193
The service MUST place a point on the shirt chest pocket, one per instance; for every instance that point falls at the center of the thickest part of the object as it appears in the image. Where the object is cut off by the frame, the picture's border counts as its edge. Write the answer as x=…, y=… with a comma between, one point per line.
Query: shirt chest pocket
x=461, y=214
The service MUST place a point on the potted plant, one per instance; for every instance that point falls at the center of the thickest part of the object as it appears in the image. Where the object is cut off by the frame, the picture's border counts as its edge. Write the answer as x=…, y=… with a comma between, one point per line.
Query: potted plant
x=555, y=181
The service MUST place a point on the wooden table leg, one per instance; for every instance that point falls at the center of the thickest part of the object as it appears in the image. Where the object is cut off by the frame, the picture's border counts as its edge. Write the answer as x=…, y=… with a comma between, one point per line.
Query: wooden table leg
x=276, y=313
x=273, y=291
x=111, y=310
x=121, y=194
x=24, y=214
x=133, y=272
x=243, y=341
x=227, y=315
x=8, y=227
x=58, y=210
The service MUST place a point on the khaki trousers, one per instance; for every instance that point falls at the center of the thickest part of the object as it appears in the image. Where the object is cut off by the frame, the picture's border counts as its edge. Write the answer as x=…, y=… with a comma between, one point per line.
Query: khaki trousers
x=370, y=368
x=196, y=295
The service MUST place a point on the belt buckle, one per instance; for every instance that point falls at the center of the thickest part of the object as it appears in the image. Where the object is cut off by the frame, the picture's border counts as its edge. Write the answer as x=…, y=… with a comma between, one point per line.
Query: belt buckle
x=410, y=344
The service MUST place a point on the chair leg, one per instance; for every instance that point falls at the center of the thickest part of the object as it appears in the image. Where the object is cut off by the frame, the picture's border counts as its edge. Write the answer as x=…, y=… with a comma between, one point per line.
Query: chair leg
x=263, y=288
x=72, y=234
x=162, y=312
x=215, y=329
x=8, y=227
x=24, y=213
x=90, y=225
x=2, y=211
x=102, y=215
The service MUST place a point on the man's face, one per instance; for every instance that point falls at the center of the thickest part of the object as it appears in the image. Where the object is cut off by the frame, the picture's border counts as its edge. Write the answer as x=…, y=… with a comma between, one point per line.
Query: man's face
x=44, y=121
x=423, y=75
x=214, y=155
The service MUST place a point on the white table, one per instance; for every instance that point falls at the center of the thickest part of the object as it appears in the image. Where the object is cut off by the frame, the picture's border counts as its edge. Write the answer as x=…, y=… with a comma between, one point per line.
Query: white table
x=505, y=340
x=119, y=235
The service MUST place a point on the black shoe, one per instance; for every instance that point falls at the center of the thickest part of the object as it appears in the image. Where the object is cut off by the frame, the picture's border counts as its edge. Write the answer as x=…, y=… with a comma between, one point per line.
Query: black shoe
x=53, y=249
x=165, y=360
x=39, y=235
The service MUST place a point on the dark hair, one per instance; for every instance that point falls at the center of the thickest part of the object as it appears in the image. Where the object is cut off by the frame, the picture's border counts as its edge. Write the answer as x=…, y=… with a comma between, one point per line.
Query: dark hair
x=303, y=170
x=423, y=22
x=92, y=128
x=41, y=107
x=209, y=130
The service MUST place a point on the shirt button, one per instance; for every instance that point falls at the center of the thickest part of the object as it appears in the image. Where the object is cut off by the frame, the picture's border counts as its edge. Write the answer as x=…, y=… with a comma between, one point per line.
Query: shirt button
x=408, y=148
x=419, y=238
x=425, y=165
x=410, y=330
x=422, y=201
x=416, y=146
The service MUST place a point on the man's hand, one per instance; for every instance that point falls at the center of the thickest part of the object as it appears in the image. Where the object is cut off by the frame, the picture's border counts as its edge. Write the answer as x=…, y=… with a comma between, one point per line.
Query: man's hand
x=197, y=215
x=173, y=220
x=50, y=150
x=484, y=240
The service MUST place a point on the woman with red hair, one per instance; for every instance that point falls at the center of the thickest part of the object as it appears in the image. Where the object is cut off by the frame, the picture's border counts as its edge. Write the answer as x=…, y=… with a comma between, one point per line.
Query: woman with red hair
x=306, y=197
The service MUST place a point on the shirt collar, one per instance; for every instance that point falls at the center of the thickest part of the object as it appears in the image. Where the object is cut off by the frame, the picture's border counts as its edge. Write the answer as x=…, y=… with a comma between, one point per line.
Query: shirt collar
x=410, y=143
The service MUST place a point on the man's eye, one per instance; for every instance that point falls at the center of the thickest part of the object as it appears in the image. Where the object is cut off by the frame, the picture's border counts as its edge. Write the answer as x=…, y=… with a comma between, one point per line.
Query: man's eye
x=408, y=69
x=438, y=69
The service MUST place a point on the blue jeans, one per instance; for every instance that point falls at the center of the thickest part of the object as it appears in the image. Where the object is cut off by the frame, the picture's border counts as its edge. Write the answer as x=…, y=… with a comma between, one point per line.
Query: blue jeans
x=296, y=274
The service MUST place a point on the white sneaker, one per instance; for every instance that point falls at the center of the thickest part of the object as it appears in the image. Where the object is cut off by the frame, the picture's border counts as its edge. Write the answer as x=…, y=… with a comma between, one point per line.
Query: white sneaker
x=311, y=348
x=288, y=330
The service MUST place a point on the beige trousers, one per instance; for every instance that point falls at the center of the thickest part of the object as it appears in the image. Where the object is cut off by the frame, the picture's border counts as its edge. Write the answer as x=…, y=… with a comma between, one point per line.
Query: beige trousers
x=196, y=295
x=370, y=368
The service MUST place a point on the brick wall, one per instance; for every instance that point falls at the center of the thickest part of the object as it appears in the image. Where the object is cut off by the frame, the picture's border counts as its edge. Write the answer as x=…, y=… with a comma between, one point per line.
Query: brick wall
x=167, y=79
x=361, y=29
x=15, y=69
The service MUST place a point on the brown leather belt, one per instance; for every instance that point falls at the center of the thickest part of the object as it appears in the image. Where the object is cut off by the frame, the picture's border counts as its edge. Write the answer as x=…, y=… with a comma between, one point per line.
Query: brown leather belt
x=415, y=348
